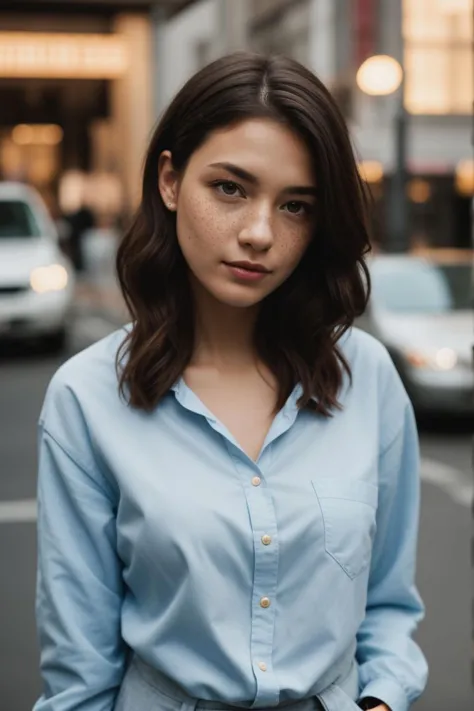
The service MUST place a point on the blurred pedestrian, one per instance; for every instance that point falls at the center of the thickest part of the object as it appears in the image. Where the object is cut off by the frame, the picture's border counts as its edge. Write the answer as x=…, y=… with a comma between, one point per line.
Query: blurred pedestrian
x=80, y=222
x=228, y=489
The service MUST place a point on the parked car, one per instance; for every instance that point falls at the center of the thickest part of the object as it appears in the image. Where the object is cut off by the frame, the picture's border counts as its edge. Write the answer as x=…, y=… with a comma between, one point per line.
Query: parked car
x=36, y=279
x=421, y=309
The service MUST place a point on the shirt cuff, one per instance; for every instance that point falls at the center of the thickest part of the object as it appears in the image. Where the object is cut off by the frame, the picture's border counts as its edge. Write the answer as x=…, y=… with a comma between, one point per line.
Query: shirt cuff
x=389, y=693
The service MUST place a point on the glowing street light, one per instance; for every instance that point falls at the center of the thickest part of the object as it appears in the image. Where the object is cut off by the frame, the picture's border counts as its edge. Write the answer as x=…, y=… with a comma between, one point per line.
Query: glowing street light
x=379, y=75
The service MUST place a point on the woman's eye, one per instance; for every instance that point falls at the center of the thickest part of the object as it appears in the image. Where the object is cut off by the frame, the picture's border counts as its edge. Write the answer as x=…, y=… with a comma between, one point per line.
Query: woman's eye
x=227, y=187
x=298, y=208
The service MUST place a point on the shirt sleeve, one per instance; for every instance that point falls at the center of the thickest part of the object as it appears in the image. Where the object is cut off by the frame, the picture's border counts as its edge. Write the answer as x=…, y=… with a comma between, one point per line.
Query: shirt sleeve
x=391, y=665
x=79, y=585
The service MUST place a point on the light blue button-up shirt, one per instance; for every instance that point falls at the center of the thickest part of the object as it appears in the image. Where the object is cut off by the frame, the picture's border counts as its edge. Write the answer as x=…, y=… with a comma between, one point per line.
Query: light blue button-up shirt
x=244, y=582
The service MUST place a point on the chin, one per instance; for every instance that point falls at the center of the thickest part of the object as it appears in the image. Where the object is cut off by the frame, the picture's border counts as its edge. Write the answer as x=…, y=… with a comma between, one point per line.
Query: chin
x=243, y=300
x=239, y=303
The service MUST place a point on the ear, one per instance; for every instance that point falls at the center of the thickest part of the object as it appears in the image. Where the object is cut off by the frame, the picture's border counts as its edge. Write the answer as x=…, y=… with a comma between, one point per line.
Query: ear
x=168, y=180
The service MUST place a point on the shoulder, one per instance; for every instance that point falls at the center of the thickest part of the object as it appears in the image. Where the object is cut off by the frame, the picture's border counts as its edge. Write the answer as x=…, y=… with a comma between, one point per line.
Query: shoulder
x=376, y=388
x=87, y=381
x=365, y=352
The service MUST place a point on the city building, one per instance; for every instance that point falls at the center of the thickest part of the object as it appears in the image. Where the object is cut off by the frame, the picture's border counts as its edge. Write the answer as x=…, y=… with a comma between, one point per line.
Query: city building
x=77, y=88
x=432, y=40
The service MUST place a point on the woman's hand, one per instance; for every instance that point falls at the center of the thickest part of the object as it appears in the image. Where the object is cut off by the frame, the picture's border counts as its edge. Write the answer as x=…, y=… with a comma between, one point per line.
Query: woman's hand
x=379, y=707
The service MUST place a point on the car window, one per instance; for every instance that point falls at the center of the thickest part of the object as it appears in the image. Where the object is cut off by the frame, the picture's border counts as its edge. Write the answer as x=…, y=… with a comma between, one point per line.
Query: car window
x=460, y=281
x=17, y=220
x=422, y=288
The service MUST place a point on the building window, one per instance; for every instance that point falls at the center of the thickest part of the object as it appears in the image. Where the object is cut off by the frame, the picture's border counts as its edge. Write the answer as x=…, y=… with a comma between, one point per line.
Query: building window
x=438, y=56
x=287, y=33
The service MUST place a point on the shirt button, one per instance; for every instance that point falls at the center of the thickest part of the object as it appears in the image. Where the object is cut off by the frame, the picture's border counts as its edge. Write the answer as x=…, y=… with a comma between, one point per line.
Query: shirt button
x=262, y=666
x=265, y=602
x=256, y=481
x=266, y=540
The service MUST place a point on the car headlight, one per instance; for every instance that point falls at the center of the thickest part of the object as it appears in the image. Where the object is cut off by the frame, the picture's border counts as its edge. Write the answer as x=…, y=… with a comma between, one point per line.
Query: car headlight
x=440, y=359
x=51, y=278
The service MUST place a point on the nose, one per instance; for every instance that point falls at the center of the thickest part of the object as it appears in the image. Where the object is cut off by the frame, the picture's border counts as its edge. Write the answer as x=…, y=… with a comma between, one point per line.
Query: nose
x=257, y=232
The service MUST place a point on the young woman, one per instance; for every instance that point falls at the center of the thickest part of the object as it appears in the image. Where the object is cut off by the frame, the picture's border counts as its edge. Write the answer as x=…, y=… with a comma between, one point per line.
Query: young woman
x=228, y=489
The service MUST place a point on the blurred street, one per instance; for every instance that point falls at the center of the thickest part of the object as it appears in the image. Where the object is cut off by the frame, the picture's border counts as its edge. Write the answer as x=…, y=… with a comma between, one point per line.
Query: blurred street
x=444, y=576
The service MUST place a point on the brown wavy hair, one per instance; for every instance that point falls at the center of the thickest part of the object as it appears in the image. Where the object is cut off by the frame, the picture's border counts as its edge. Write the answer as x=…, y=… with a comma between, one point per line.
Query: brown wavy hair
x=300, y=323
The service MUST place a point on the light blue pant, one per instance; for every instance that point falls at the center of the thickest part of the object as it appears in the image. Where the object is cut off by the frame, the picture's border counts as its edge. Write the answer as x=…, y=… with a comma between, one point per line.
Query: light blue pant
x=145, y=689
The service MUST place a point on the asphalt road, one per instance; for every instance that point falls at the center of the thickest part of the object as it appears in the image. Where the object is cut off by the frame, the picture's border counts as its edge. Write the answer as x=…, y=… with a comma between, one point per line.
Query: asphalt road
x=445, y=578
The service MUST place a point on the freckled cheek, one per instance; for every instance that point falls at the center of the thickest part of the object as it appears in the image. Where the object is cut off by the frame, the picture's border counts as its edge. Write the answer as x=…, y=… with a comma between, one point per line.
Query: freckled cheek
x=200, y=219
x=292, y=245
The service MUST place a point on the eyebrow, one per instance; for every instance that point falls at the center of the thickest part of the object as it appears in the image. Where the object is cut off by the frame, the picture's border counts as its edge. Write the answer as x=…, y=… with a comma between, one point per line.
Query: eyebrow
x=253, y=180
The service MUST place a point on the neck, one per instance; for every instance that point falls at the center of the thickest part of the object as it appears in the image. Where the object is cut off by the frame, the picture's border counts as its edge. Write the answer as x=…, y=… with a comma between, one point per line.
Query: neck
x=223, y=334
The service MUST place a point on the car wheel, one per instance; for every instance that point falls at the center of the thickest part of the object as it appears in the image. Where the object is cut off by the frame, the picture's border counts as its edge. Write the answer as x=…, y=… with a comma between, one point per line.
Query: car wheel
x=54, y=342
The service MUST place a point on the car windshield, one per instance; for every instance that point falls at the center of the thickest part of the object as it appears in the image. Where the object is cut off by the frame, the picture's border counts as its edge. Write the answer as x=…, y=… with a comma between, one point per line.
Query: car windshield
x=17, y=220
x=420, y=287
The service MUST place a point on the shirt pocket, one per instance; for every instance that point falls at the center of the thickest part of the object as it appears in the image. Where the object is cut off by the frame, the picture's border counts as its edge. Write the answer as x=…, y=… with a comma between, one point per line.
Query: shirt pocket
x=348, y=509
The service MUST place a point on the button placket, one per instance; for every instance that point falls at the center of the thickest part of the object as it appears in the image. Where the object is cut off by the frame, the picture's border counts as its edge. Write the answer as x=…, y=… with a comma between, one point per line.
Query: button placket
x=263, y=522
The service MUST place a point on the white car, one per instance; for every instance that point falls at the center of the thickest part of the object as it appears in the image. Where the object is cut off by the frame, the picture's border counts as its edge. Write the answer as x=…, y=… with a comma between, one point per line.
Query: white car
x=421, y=309
x=36, y=279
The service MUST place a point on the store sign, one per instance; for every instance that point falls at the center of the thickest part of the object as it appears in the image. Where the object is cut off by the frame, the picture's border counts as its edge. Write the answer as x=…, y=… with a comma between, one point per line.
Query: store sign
x=62, y=56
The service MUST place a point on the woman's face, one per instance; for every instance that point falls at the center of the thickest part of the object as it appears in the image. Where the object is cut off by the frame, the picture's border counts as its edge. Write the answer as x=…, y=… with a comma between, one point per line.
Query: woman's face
x=245, y=209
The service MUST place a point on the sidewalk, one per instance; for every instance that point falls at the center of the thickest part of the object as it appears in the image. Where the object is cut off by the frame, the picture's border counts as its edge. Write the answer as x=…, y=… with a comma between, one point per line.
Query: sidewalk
x=97, y=292
x=100, y=299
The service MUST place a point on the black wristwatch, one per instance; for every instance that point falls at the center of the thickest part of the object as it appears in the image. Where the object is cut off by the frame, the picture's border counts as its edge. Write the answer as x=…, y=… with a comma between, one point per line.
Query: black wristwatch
x=369, y=703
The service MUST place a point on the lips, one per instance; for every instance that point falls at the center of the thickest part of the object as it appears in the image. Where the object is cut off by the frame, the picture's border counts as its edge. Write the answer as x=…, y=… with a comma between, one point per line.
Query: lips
x=249, y=267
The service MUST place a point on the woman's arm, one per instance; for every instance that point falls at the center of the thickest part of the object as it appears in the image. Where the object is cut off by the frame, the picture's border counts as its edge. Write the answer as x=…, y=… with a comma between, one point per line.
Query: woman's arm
x=392, y=667
x=79, y=584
